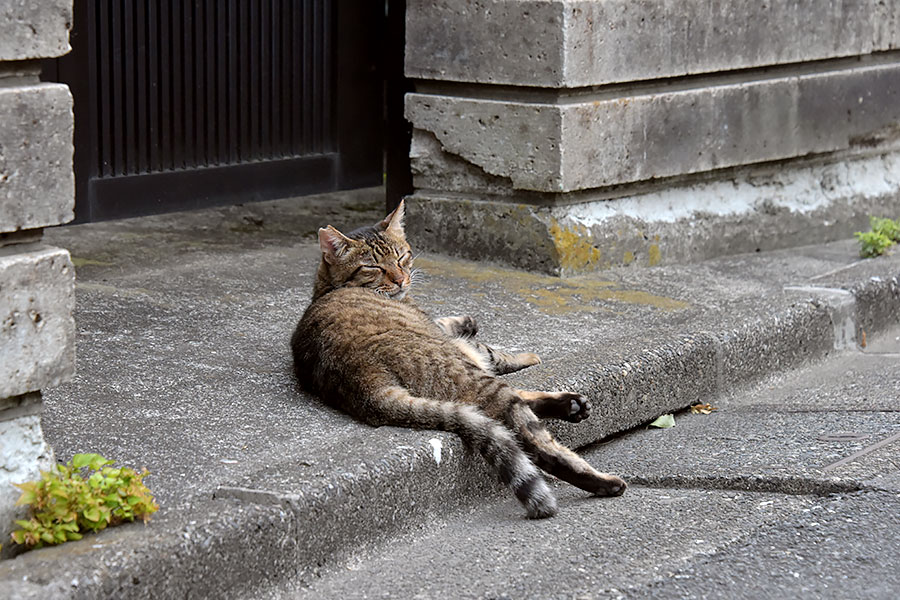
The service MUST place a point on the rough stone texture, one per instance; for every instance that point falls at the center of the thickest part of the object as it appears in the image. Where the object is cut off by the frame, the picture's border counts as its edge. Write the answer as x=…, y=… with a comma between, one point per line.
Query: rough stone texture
x=645, y=137
x=37, y=189
x=758, y=209
x=829, y=427
x=516, y=140
x=650, y=543
x=673, y=169
x=34, y=29
x=599, y=142
x=434, y=169
x=594, y=547
x=879, y=296
x=573, y=43
x=37, y=331
x=23, y=454
x=37, y=183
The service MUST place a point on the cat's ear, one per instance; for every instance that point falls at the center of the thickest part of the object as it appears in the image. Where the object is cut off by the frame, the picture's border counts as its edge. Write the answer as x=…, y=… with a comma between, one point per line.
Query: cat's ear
x=333, y=244
x=393, y=223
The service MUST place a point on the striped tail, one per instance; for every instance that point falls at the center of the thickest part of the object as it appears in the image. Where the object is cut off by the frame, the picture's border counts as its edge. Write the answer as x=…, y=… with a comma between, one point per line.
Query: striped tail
x=489, y=437
x=555, y=458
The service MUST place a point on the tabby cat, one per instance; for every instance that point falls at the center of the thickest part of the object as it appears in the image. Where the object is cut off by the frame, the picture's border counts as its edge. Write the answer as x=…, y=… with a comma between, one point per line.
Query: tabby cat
x=364, y=347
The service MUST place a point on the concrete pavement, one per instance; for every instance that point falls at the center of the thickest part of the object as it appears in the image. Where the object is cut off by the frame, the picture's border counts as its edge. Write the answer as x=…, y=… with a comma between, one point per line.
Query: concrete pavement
x=790, y=489
x=183, y=366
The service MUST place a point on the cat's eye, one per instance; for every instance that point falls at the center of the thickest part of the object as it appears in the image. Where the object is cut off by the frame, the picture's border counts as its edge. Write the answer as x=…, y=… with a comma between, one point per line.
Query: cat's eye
x=368, y=272
x=406, y=258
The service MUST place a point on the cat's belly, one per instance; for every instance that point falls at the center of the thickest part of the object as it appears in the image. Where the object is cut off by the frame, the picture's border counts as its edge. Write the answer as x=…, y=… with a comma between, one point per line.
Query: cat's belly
x=367, y=335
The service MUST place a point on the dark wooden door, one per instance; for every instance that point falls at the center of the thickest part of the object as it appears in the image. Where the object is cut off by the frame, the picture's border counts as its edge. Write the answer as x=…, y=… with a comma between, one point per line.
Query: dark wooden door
x=183, y=104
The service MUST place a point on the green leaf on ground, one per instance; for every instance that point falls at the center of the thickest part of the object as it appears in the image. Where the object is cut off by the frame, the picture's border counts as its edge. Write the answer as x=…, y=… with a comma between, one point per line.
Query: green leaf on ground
x=664, y=422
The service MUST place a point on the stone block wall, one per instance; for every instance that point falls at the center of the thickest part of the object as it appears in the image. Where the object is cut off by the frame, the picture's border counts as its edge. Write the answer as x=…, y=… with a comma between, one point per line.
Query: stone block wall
x=570, y=135
x=37, y=282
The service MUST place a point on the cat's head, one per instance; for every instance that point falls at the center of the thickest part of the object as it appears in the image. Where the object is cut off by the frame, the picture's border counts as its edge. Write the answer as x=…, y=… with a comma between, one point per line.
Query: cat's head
x=375, y=257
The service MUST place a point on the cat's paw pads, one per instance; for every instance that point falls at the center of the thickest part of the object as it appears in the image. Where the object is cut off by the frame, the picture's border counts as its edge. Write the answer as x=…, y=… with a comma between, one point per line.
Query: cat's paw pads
x=466, y=326
x=579, y=407
x=611, y=486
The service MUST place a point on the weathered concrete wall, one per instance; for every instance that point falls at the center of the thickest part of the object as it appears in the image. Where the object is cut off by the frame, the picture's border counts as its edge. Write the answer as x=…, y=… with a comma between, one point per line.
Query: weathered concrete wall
x=23, y=454
x=605, y=102
x=575, y=43
x=37, y=185
x=751, y=210
x=597, y=142
x=37, y=332
x=30, y=29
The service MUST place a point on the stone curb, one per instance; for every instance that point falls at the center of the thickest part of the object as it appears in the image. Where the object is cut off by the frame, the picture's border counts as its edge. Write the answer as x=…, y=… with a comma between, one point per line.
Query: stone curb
x=249, y=537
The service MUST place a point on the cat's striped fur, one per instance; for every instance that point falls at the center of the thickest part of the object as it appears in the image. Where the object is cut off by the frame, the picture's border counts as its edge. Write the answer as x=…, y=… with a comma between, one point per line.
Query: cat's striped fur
x=364, y=347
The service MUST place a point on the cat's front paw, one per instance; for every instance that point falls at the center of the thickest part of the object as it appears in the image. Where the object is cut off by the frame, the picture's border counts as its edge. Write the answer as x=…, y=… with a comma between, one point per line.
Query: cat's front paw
x=463, y=326
x=578, y=406
x=467, y=326
x=610, y=485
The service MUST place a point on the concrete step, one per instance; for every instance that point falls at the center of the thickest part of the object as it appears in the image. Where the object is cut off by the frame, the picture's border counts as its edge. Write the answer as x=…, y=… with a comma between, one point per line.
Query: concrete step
x=789, y=489
x=832, y=427
x=183, y=322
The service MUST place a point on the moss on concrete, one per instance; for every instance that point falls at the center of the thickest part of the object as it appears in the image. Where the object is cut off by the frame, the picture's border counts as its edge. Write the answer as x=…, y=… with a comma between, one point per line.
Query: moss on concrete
x=654, y=255
x=574, y=246
x=552, y=295
x=86, y=262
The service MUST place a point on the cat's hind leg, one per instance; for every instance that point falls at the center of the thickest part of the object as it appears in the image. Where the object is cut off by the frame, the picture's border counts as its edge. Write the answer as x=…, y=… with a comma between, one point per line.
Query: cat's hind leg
x=394, y=405
x=555, y=458
x=458, y=327
x=567, y=406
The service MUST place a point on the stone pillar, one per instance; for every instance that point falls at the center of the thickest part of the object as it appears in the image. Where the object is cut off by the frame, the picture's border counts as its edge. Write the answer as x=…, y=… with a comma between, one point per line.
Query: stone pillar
x=37, y=189
x=571, y=135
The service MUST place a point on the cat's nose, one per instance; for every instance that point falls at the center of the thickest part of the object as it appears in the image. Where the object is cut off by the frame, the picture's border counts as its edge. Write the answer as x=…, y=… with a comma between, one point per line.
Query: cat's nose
x=398, y=277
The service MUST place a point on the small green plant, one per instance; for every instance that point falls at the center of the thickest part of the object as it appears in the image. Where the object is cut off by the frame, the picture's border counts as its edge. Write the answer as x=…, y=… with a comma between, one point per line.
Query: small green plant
x=889, y=228
x=884, y=234
x=83, y=495
x=872, y=244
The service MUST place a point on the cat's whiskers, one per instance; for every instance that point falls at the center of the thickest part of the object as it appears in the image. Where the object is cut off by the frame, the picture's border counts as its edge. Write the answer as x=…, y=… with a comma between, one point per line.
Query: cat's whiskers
x=417, y=276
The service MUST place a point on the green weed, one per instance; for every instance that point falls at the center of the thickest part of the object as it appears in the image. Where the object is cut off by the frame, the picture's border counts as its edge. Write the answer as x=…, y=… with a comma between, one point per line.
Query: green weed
x=884, y=234
x=889, y=228
x=83, y=495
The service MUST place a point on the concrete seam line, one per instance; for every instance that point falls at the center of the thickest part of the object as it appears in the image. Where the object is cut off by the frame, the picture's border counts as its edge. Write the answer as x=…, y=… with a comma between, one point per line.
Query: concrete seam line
x=862, y=452
x=26, y=405
x=777, y=485
x=534, y=94
x=18, y=412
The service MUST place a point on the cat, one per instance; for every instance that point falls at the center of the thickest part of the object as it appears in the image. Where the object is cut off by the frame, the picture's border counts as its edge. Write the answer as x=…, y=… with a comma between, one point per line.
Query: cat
x=364, y=347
